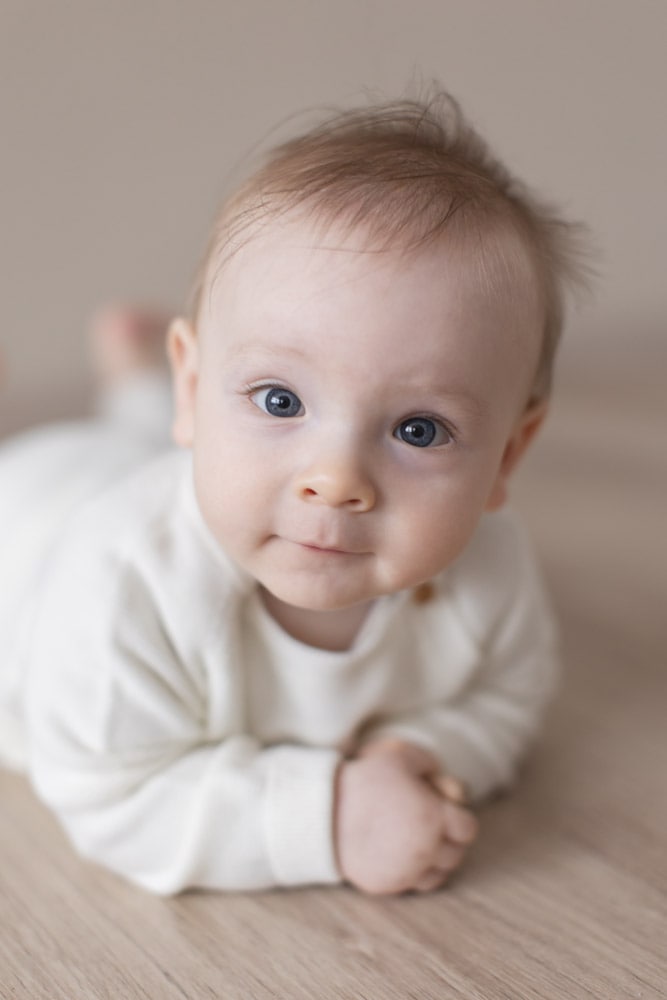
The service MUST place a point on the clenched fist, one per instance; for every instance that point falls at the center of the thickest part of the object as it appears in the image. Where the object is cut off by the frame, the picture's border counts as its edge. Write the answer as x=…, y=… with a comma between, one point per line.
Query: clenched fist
x=394, y=830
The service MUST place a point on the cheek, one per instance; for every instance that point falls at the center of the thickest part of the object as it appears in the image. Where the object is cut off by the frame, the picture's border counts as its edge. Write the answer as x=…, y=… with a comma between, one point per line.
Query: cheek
x=436, y=545
x=432, y=528
x=235, y=483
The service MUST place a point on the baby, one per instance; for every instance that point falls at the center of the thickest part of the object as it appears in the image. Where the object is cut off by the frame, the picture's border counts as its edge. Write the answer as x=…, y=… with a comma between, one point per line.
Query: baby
x=298, y=647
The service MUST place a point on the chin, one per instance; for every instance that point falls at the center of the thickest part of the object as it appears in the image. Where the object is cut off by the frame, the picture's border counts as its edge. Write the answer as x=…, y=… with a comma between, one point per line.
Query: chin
x=319, y=597
x=311, y=602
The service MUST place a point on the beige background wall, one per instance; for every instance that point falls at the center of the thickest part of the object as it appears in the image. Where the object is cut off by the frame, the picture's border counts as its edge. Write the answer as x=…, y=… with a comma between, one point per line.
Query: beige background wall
x=120, y=121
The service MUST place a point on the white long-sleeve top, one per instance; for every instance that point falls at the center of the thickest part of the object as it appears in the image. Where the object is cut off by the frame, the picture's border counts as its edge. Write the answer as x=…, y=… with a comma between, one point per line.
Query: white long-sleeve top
x=184, y=739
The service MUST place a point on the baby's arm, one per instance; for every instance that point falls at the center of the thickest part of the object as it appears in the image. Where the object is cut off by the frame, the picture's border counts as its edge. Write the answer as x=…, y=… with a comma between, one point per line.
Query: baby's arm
x=173, y=811
x=123, y=749
x=480, y=736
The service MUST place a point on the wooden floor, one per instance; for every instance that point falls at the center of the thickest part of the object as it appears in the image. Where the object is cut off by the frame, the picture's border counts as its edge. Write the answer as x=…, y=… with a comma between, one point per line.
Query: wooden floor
x=565, y=895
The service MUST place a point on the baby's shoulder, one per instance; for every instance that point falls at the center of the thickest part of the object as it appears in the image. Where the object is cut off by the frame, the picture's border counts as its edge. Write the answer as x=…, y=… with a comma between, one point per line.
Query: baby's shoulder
x=495, y=569
x=144, y=529
x=132, y=511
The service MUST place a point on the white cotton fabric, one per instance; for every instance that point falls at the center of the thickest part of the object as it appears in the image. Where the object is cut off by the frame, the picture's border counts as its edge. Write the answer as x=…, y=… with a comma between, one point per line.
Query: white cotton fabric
x=184, y=739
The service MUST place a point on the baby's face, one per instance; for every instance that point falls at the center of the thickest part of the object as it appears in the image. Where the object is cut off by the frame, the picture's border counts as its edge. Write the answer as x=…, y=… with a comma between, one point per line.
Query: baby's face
x=352, y=413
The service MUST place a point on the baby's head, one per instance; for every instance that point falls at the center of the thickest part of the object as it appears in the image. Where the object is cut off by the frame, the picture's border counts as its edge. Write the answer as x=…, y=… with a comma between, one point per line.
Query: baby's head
x=407, y=176
x=373, y=333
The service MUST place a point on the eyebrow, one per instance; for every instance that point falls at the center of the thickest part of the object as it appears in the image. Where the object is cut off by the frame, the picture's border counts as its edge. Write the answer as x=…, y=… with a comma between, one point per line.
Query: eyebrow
x=450, y=393
x=251, y=348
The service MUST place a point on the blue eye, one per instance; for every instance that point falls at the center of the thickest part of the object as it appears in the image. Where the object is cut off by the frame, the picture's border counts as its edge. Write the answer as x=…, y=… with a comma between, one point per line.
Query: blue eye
x=278, y=402
x=422, y=432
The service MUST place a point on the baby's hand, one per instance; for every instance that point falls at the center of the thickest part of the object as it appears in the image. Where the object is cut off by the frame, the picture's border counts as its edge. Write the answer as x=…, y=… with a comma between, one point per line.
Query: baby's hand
x=394, y=830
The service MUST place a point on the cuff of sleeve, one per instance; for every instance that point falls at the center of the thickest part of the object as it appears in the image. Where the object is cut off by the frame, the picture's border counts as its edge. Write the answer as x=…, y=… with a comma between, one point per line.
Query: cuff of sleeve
x=299, y=816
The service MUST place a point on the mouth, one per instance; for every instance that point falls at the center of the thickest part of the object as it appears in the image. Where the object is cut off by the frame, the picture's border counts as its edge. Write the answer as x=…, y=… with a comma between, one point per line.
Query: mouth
x=326, y=549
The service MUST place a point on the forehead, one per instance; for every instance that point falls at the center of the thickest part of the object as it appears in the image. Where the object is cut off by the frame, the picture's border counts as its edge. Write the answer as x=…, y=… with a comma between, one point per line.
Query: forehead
x=290, y=253
x=295, y=290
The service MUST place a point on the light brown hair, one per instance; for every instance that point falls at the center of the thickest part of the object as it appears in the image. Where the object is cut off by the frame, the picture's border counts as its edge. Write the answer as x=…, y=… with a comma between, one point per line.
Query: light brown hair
x=406, y=173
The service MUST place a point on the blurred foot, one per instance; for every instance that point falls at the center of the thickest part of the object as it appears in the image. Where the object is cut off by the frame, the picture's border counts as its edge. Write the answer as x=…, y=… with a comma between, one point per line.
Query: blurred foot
x=126, y=340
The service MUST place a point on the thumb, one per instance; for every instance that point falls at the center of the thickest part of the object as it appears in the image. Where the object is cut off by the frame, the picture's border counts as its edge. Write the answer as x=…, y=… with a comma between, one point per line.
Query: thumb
x=416, y=759
x=419, y=761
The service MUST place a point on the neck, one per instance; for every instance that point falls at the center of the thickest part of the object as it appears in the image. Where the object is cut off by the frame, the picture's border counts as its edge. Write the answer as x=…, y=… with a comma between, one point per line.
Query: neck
x=333, y=630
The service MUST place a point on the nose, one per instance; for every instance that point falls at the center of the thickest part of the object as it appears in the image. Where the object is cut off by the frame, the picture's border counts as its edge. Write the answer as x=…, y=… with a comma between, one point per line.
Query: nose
x=336, y=482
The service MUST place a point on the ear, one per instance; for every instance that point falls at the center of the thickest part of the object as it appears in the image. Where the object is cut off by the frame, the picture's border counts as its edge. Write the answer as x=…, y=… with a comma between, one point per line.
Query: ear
x=523, y=433
x=183, y=351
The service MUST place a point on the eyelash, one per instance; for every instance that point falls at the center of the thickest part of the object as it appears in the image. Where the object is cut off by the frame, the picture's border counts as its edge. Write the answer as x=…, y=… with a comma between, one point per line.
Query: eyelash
x=251, y=390
x=426, y=418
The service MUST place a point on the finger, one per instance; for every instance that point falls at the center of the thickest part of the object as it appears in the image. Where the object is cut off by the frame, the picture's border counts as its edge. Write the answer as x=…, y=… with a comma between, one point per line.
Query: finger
x=430, y=880
x=418, y=760
x=460, y=826
x=448, y=857
x=451, y=788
